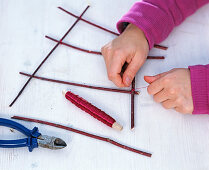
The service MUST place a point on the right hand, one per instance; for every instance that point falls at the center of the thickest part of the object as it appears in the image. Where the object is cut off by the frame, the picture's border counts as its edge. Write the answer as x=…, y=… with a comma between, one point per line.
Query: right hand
x=131, y=47
x=172, y=89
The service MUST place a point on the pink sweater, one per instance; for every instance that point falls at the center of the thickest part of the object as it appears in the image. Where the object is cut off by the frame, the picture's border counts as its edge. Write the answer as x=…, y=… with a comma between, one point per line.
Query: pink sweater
x=157, y=18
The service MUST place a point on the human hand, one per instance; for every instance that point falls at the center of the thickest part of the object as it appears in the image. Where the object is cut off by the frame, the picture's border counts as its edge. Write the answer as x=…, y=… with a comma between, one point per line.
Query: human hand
x=131, y=47
x=172, y=89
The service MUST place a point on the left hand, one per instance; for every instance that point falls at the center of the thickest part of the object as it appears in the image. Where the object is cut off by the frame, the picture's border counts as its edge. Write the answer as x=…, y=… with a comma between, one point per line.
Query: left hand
x=172, y=89
x=130, y=47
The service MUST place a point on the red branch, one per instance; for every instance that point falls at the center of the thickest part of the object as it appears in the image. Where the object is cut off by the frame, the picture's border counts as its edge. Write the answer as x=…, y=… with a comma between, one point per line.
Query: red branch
x=79, y=85
x=132, y=102
x=132, y=94
x=105, y=29
x=74, y=47
x=94, y=52
x=84, y=134
x=88, y=22
x=20, y=92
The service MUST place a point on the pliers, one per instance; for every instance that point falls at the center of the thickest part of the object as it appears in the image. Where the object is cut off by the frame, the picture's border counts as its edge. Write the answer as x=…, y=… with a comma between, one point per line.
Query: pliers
x=33, y=140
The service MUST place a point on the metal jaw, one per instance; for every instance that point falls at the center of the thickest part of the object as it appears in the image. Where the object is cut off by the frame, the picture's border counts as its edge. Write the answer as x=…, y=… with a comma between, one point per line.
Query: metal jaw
x=51, y=142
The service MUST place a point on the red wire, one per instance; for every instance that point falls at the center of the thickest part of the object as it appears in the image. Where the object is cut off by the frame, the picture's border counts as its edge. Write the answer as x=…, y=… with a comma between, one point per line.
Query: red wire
x=90, y=109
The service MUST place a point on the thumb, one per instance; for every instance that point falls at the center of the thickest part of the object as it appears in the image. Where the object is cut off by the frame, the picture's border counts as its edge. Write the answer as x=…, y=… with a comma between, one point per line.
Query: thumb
x=150, y=79
x=131, y=70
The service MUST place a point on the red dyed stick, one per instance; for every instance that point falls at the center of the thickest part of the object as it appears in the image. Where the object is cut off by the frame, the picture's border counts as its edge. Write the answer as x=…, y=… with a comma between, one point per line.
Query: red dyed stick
x=92, y=110
x=132, y=103
x=20, y=92
x=160, y=47
x=105, y=29
x=74, y=47
x=156, y=57
x=79, y=85
x=95, y=25
x=84, y=134
x=95, y=52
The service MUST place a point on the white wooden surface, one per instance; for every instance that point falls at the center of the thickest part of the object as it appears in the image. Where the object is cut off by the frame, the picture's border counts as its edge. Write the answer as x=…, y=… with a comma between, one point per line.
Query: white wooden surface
x=178, y=142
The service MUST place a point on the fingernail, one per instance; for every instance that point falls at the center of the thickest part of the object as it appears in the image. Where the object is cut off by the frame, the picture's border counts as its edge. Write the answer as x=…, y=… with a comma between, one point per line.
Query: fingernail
x=128, y=81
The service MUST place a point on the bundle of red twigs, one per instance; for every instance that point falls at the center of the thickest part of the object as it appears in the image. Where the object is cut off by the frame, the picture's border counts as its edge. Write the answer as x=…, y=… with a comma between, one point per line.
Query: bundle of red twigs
x=78, y=48
x=60, y=42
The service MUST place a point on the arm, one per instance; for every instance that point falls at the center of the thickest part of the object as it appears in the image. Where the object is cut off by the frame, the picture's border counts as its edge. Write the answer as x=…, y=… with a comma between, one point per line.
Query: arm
x=150, y=20
x=157, y=18
x=190, y=92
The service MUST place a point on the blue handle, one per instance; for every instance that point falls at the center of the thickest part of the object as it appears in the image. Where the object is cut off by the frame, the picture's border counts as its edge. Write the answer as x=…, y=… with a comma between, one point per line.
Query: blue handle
x=31, y=142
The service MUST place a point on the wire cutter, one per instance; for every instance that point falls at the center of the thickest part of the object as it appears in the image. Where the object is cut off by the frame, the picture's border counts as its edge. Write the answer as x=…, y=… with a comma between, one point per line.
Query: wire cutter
x=33, y=140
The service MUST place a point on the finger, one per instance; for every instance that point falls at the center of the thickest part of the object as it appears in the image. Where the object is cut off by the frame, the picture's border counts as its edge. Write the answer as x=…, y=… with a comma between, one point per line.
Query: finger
x=107, y=55
x=161, y=96
x=132, y=69
x=112, y=64
x=114, y=70
x=168, y=104
x=157, y=85
x=149, y=79
x=160, y=75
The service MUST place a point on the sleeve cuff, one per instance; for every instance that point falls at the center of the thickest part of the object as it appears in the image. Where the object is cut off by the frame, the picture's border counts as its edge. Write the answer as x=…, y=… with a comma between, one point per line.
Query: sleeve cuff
x=199, y=85
x=156, y=25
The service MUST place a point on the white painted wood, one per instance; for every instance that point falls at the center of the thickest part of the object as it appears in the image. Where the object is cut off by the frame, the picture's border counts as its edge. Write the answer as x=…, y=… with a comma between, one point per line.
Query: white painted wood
x=178, y=142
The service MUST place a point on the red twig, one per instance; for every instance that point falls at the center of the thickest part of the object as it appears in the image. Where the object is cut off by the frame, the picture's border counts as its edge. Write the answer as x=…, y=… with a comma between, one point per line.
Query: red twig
x=160, y=47
x=132, y=102
x=85, y=134
x=100, y=27
x=94, y=52
x=48, y=56
x=105, y=29
x=156, y=57
x=132, y=93
x=79, y=85
x=74, y=47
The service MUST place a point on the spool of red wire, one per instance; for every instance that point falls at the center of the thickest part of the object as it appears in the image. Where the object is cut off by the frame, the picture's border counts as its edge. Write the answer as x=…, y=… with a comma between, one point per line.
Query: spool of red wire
x=92, y=110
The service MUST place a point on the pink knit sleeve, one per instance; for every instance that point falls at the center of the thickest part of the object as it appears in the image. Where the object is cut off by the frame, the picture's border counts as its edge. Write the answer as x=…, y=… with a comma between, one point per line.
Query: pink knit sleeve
x=200, y=88
x=157, y=18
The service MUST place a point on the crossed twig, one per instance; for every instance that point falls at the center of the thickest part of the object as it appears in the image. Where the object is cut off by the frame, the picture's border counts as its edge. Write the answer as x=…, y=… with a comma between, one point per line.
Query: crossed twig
x=60, y=42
